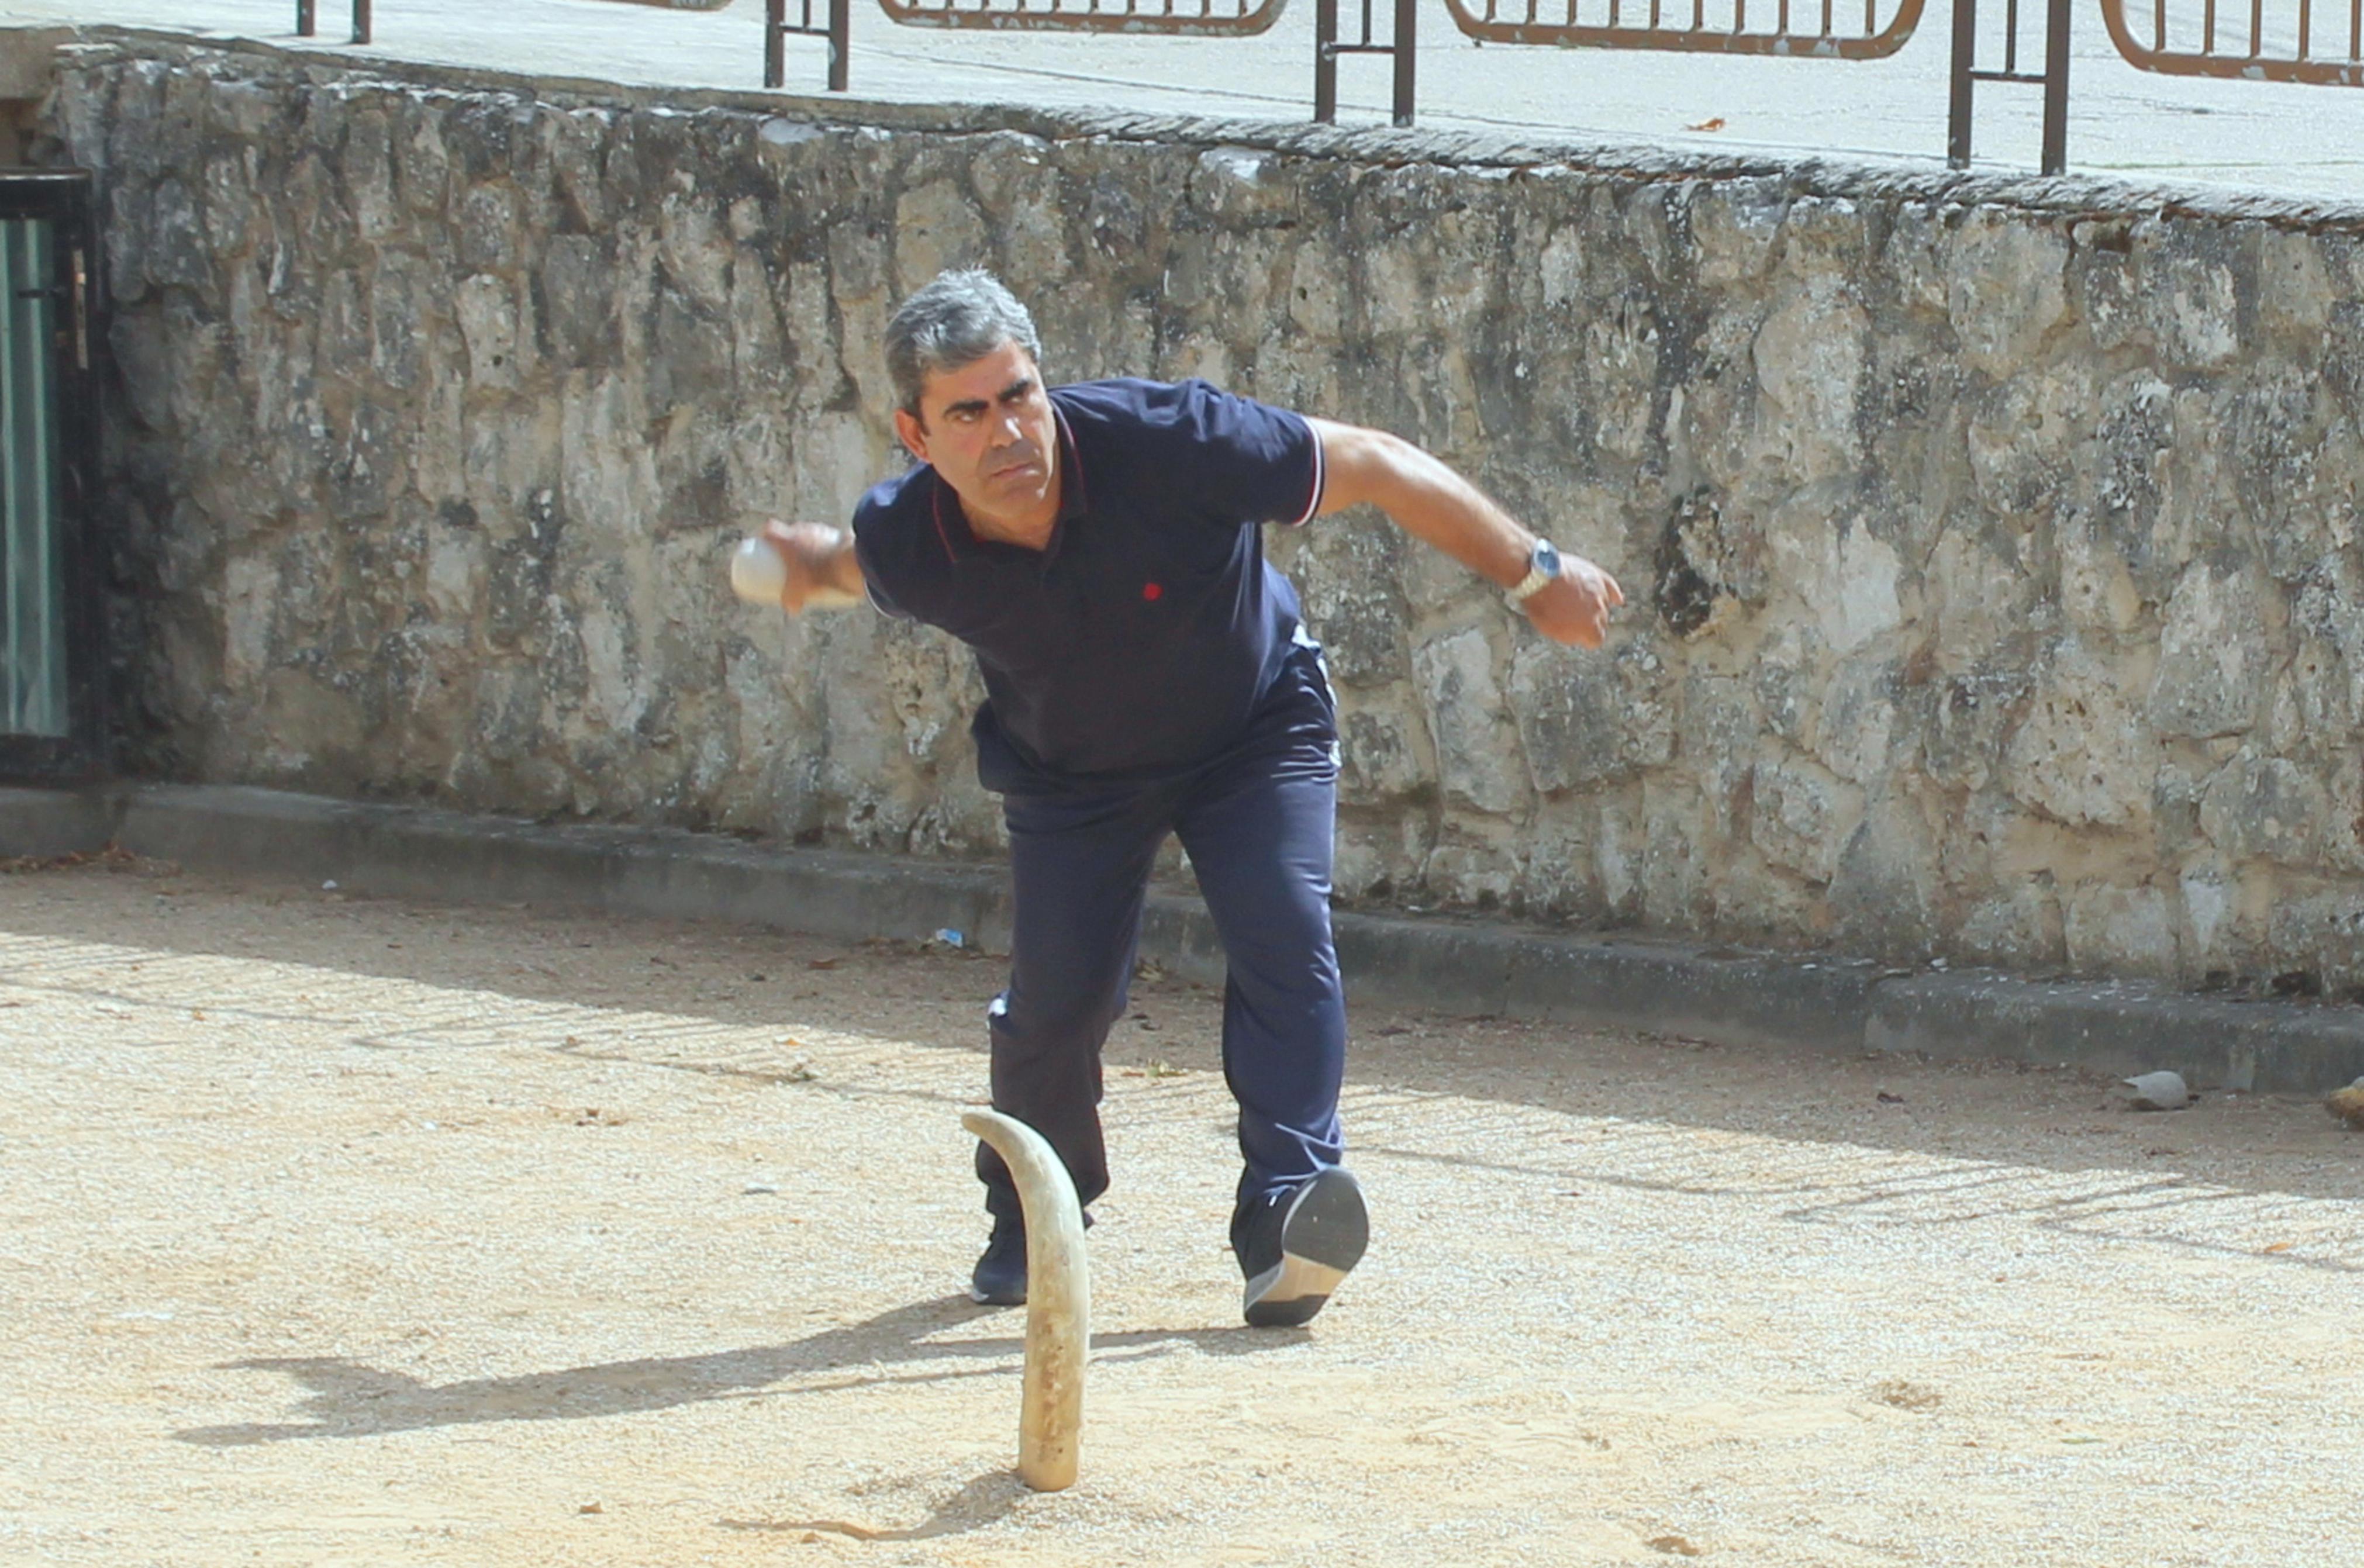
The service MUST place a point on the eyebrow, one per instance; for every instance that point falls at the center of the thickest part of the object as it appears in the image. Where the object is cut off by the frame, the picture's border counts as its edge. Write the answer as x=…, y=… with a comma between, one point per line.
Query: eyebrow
x=1011, y=393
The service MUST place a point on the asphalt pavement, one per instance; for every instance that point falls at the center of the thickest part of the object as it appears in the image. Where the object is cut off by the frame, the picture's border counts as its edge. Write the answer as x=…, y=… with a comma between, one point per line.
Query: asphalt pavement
x=2304, y=143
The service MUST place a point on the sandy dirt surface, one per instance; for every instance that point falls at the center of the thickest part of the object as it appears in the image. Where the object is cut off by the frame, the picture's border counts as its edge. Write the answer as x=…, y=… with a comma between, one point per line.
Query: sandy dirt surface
x=360, y=1233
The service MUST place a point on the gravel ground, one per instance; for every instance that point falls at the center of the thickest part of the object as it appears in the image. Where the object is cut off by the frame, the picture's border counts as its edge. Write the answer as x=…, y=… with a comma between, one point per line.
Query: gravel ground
x=339, y=1231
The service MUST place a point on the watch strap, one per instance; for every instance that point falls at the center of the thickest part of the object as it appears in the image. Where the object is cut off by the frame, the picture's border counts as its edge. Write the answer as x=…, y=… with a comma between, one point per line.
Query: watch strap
x=1537, y=577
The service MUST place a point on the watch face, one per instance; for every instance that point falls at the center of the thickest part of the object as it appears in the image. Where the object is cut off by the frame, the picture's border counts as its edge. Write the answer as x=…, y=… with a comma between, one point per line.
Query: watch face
x=1546, y=559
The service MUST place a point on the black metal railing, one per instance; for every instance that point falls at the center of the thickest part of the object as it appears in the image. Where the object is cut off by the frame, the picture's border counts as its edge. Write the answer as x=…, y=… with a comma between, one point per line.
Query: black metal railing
x=2263, y=40
x=1808, y=28
x=1402, y=46
x=836, y=26
x=1206, y=19
x=2053, y=78
x=1819, y=30
x=2290, y=52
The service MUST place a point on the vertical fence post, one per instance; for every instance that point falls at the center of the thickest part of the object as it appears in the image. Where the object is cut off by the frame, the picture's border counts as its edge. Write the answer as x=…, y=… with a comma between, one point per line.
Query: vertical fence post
x=304, y=23
x=360, y=21
x=775, y=63
x=1407, y=54
x=2056, y=89
x=1957, y=110
x=840, y=40
x=1325, y=61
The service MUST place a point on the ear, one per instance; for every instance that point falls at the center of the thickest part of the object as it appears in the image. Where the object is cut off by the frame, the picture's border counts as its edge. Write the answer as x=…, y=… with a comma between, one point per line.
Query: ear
x=914, y=434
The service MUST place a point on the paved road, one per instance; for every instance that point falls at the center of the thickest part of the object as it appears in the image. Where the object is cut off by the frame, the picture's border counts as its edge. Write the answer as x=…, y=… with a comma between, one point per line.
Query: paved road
x=2304, y=142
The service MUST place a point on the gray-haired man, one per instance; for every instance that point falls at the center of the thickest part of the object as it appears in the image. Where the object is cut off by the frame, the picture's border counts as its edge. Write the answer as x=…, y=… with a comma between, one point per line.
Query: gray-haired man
x=1099, y=546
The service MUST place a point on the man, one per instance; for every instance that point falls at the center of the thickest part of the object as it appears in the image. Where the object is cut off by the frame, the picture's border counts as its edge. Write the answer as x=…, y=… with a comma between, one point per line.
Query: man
x=1099, y=546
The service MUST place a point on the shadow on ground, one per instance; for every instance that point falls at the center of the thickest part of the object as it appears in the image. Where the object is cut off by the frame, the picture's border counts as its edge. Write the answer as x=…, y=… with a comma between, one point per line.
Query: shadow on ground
x=982, y=1502
x=348, y=1399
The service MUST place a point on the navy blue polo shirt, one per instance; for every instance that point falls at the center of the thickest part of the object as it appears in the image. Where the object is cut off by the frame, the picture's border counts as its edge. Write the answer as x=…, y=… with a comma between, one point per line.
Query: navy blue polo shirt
x=1139, y=640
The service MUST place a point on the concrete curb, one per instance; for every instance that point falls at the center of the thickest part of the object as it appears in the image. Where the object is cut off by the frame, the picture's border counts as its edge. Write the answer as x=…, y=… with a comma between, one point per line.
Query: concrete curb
x=45, y=823
x=1718, y=994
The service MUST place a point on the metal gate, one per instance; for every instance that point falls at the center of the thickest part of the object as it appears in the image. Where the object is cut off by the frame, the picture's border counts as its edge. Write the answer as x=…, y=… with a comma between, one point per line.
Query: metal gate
x=2261, y=48
x=1814, y=30
x=49, y=724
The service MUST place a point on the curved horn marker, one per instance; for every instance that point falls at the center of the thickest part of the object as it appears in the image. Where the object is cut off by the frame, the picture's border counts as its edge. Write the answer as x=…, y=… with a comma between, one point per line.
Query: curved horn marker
x=1058, y=1302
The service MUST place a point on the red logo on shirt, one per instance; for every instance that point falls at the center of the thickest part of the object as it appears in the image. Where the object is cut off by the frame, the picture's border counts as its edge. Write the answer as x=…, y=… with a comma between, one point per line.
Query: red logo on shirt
x=1152, y=591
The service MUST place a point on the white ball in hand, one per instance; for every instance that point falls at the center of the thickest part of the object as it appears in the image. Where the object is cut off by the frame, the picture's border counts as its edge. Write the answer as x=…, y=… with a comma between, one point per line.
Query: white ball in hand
x=759, y=573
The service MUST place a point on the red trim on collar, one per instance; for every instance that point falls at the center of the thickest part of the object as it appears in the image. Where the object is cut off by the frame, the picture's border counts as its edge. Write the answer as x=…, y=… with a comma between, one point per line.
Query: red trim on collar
x=1073, y=501
x=937, y=492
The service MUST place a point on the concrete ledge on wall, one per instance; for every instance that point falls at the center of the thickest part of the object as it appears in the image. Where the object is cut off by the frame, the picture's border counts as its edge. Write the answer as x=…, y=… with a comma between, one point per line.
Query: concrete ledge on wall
x=2120, y=1027
x=44, y=824
x=1723, y=995
x=411, y=852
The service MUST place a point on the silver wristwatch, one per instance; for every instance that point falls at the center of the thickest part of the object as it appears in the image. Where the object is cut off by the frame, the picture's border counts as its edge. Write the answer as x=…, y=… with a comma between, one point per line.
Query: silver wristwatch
x=1543, y=566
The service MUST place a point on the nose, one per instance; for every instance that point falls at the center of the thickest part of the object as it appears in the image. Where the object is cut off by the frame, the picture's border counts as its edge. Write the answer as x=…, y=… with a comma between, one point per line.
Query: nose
x=1009, y=437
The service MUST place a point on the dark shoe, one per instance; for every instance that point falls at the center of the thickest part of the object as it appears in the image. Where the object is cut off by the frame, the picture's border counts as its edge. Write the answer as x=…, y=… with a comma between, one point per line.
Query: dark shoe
x=999, y=1277
x=1298, y=1247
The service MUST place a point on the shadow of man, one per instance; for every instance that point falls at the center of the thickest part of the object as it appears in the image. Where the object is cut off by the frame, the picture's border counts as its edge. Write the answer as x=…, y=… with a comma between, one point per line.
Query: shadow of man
x=349, y=1399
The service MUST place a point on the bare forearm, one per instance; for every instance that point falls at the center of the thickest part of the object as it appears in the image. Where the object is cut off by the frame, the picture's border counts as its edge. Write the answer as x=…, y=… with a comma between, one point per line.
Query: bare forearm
x=1427, y=499
x=1431, y=502
x=841, y=570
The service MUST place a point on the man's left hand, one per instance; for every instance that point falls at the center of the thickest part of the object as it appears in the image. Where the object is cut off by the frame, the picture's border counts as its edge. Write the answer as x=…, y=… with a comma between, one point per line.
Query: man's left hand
x=1573, y=607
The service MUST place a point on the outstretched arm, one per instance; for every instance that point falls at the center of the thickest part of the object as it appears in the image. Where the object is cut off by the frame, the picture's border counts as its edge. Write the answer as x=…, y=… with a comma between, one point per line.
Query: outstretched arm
x=822, y=571
x=1431, y=502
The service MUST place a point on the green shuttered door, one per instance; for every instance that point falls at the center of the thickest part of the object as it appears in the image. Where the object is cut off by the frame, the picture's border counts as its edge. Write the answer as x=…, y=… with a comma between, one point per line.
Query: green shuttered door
x=32, y=576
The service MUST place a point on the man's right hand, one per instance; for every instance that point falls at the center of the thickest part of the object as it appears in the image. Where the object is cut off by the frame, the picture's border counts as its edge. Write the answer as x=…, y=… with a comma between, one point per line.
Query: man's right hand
x=1575, y=608
x=822, y=571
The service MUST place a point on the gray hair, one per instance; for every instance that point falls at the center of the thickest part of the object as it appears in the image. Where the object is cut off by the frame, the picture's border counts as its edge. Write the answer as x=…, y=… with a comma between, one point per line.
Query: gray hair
x=957, y=319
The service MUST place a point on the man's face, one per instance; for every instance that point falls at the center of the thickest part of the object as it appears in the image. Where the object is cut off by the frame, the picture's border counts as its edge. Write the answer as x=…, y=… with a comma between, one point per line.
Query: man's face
x=988, y=429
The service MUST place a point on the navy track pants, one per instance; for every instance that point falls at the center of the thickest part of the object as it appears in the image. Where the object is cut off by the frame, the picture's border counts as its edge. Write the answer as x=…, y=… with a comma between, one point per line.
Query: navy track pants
x=1258, y=823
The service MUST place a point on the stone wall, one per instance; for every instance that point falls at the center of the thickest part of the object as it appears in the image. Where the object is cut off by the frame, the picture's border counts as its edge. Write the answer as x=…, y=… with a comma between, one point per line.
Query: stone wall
x=1995, y=585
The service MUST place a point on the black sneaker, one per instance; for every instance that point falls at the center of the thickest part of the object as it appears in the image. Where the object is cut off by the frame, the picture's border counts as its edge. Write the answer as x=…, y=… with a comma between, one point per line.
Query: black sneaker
x=1296, y=1250
x=999, y=1277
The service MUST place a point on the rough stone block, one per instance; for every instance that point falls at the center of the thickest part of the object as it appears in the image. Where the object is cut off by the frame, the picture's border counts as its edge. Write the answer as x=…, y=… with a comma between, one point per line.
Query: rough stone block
x=2112, y=929
x=1583, y=719
x=1810, y=356
x=2322, y=936
x=2264, y=808
x=1477, y=757
x=1885, y=890
x=2082, y=754
x=2214, y=654
x=1735, y=227
x=1381, y=747
x=935, y=227
x=2005, y=291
